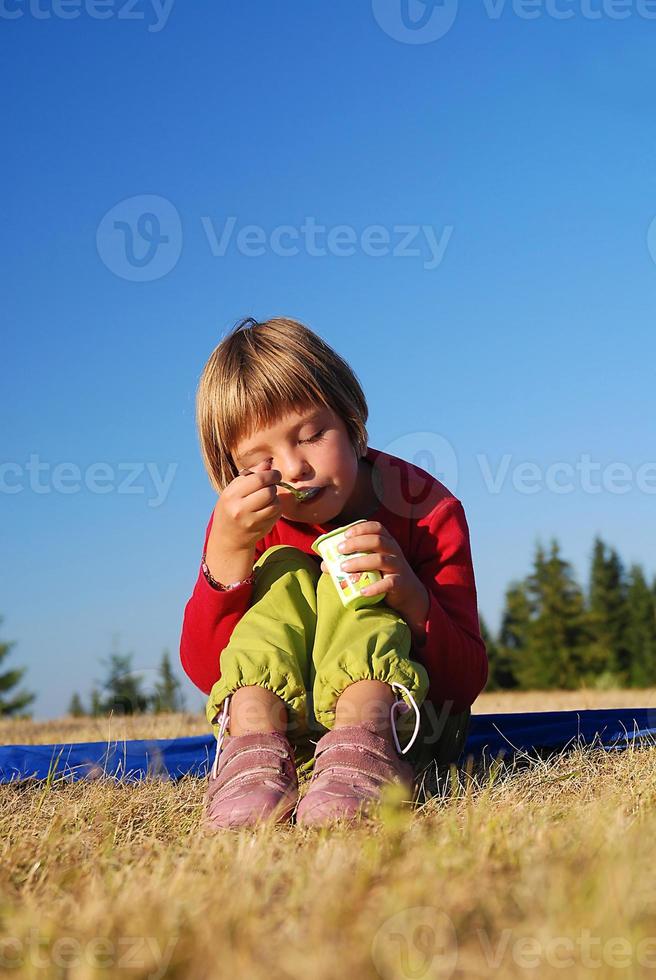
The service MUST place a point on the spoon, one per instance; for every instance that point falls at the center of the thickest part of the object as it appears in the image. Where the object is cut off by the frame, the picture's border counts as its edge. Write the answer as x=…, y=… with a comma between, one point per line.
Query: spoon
x=299, y=494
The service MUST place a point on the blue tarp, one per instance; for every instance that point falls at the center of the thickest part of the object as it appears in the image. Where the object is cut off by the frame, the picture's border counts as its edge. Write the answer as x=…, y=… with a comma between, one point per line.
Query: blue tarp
x=489, y=735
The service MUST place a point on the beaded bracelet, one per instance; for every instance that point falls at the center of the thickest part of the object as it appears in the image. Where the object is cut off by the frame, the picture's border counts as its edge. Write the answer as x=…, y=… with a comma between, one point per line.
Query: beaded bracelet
x=219, y=585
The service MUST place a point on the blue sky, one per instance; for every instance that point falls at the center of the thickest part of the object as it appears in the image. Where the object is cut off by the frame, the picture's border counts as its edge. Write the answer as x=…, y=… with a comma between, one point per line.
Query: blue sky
x=512, y=156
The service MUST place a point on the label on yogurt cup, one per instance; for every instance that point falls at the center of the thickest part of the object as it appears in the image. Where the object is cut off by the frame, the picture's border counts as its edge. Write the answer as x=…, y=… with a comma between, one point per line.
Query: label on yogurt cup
x=348, y=584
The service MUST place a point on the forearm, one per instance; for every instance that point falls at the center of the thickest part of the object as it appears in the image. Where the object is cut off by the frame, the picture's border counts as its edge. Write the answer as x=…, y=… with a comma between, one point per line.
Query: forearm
x=226, y=563
x=210, y=615
x=209, y=619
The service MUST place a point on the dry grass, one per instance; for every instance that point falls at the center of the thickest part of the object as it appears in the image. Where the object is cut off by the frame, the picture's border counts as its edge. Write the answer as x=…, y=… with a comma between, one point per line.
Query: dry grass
x=110, y=729
x=563, y=700
x=177, y=726
x=541, y=869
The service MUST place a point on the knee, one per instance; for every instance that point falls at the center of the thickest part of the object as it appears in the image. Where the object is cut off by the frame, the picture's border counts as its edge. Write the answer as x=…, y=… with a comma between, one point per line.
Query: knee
x=292, y=558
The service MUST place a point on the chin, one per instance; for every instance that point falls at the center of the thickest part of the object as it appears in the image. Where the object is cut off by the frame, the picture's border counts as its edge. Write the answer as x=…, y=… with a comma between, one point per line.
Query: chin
x=324, y=512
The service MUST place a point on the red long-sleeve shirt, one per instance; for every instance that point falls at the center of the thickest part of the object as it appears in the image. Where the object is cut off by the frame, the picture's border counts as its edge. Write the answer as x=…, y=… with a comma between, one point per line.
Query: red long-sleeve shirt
x=429, y=524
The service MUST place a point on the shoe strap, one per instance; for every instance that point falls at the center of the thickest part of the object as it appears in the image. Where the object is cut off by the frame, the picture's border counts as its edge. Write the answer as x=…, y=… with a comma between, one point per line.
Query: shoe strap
x=355, y=749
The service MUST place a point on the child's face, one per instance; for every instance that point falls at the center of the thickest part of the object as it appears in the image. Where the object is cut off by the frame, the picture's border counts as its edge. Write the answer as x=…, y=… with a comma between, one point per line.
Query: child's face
x=310, y=448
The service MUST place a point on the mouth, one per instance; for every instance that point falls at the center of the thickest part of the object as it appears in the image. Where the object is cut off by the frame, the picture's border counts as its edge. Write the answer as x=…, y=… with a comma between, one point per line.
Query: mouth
x=302, y=493
x=308, y=493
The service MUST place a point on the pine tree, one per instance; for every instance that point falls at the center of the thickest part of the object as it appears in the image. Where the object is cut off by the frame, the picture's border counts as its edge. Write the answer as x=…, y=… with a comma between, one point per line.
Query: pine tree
x=75, y=707
x=640, y=633
x=16, y=703
x=514, y=635
x=122, y=687
x=96, y=703
x=554, y=656
x=168, y=694
x=607, y=615
x=500, y=674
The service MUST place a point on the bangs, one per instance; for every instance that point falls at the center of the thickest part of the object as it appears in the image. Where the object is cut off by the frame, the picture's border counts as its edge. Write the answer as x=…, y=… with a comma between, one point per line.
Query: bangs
x=260, y=402
x=262, y=372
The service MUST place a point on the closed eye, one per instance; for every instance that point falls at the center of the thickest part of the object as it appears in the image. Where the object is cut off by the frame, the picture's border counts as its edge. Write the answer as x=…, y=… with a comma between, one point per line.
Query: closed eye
x=315, y=437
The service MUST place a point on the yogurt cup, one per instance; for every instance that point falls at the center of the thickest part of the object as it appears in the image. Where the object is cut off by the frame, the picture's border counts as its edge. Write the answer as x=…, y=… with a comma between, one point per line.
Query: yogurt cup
x=348, y=584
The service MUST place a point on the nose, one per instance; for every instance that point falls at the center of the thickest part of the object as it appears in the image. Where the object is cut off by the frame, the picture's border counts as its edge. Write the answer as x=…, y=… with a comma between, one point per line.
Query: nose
x=294, y=469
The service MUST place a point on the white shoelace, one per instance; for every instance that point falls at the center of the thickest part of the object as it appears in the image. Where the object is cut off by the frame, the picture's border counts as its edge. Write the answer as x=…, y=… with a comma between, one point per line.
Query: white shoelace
x=399, y=707
x=223, y=724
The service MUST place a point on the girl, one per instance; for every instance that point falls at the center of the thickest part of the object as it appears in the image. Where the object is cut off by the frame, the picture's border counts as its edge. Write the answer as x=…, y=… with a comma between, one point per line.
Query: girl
x=265, y=633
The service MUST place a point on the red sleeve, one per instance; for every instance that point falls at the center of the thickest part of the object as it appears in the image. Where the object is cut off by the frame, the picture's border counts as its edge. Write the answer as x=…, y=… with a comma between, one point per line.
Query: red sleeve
x=453, y=651
x=209, y=619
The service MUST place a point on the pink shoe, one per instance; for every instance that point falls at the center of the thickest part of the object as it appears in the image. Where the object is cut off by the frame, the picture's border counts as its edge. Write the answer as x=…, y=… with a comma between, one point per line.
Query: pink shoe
x=254, y=782
x=352, y=764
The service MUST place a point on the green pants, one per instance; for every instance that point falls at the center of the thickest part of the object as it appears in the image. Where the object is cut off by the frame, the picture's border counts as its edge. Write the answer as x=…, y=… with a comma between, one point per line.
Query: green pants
x=299, y=641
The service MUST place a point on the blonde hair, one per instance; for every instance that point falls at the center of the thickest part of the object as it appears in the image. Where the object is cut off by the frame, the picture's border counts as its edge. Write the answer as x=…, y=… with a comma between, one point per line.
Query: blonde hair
x=261, y=372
